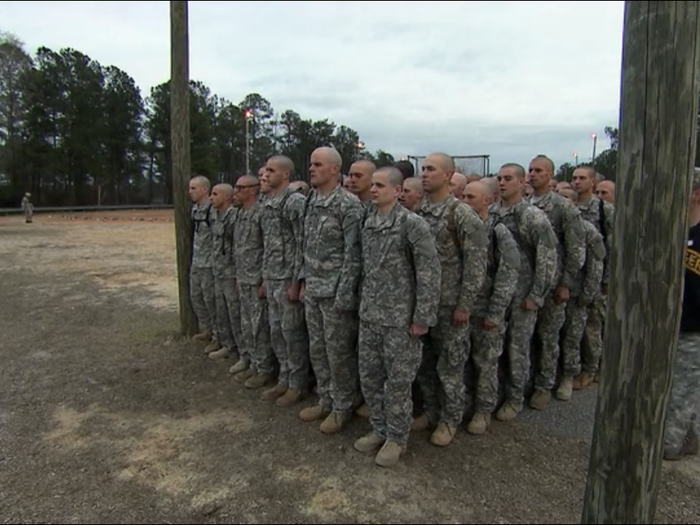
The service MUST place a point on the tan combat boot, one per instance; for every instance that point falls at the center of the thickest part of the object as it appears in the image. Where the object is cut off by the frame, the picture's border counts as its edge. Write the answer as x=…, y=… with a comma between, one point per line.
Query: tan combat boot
x=509, y=411
x=369, y=443
x=583, y=380
x=443, y=434
x=314, y=413
x=213, y=346
x=363, y=411
x=421, y=423
x=479, y=424
x=240, y=366
x=274, y=393
x=244, y=376
x=390, y=454
x=334, y=423
x=290, y=398
x=202, y=336
x=565, y=389
x=259, y=380
x=220, y=354
x=540, y=399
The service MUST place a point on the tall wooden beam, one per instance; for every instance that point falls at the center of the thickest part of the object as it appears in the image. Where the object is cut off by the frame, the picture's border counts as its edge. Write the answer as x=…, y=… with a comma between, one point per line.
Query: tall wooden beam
x=181, y=168
x=657, y=151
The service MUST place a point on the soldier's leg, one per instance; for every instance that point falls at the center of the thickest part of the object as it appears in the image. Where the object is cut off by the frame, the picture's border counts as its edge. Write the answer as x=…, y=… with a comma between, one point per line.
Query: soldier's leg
x=200, y=309
x=372, y=380
x=571, y=347
x=486, y=349
x=452, y=356
x=549, y=324
x=429, y=384
x=402, y=357
x=209, y=294
x=233, y=303
x=519, y=335
x=224, y=345
x=276, y=294
x=254, y=342
x=297, y=339
x=319, y=360
x=681, y=435
x=592, y=343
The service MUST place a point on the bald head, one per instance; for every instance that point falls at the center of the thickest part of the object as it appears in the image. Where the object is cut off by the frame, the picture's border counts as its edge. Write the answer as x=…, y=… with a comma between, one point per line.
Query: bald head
x=568, y=193
x=201, y=181
x=394, y=176
x=442, y=160
x=247, y=180
x=330, y=155
x=283, y=163
x=605, y=190
x=412, y=193
x=225, y=189
x=457, y=185
x=491, y=183
x=479, y=197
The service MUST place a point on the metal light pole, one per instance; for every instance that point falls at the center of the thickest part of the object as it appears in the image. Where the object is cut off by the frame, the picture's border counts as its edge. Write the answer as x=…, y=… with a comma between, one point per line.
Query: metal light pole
x=595, y=142
x=248, y=118
x=575, y=158
x=360, y=149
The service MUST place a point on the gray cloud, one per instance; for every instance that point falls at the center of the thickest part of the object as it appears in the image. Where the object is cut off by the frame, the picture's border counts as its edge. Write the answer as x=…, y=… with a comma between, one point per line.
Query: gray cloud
x=511, y=79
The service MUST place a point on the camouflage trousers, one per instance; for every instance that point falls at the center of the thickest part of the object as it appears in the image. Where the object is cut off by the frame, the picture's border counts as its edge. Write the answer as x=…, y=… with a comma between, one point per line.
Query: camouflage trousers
x=441, y=373
x=389, y=360
x=592, y=343
x=486, y=348
x=228, y=313
x=203, y=299
x=684, y=400
x=255, y=330
x=333, y=352
x=288, y=335
x=550, y=320
x=518, y=341
x=574, y=327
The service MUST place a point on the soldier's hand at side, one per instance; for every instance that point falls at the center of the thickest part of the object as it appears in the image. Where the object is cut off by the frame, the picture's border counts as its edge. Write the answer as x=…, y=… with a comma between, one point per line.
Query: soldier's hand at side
x=459, y=317
x=489, y=325
x=293, y=292
x=417, y=330
x=262, y=291
x=562, y=294
x=529, y=304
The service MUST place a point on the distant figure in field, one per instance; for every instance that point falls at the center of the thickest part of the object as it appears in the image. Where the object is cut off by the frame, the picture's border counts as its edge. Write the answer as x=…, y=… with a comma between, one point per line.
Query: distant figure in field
x=27, y=207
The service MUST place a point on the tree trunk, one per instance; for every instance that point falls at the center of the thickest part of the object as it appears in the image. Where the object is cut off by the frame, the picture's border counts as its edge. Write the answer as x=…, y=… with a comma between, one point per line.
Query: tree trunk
x=180, y=141
x=657, y=151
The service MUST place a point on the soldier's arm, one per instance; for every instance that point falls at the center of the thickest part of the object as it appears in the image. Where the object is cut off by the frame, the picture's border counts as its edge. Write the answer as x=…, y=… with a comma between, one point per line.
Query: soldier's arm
x=472, y=233
x=296, y=207
x=346, y=295
x=594, y=269
x=265, y=240
x=608, y=219
x=506, y=278
x=544, y=241
x=574, y=244
x=428, y=273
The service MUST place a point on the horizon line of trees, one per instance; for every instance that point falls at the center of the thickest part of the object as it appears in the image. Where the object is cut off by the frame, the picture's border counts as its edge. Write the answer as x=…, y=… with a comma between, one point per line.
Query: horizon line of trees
x=76, y=132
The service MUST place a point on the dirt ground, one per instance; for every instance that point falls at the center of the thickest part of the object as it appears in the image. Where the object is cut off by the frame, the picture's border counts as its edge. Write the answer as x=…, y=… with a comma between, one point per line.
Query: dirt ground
x=106, y=417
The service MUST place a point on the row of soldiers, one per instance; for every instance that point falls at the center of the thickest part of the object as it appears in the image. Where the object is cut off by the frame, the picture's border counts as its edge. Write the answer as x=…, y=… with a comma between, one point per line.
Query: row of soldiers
x=369, y=292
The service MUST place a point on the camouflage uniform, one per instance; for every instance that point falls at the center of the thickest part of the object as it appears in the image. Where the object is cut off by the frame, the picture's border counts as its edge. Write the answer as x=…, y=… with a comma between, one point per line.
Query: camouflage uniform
x=462, y=246
x=228, y=307
x=586, y=288
x=331, y=273
x=202, y=288
x=567, y=223
x=492, y=304
x=601, y=214
x=282, y=224
x=255, y=325
x=537, y=245
x=400, y=286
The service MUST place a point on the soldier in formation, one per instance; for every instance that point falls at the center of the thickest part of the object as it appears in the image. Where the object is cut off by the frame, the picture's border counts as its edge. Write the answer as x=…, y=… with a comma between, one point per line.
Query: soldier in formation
x=380, y=281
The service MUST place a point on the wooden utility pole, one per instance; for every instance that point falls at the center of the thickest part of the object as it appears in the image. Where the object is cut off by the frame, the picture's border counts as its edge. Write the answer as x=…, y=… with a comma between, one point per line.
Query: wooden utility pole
x=180, y=140
x=658, y=119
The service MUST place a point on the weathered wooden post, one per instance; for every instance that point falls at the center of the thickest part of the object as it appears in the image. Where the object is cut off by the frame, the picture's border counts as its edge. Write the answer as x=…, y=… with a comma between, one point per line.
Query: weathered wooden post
x=658, y=119
x=180, y=140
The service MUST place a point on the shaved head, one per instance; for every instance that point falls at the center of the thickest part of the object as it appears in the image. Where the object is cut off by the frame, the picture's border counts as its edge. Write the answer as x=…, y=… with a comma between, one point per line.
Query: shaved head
x=480, y=189
x=490, y=183
x=283, y=162
x=518, y=169
x=331, y=155
x=226, y=189
x=394, y=176
x=550, y=162
x=202, y=181
x=414, y=183
x=248, y=180
x=443, y=160
x=365, y=164
x=569, y=193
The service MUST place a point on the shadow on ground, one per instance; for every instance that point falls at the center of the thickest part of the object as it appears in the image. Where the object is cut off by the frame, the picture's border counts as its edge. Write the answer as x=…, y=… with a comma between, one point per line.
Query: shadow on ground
x=106, y=417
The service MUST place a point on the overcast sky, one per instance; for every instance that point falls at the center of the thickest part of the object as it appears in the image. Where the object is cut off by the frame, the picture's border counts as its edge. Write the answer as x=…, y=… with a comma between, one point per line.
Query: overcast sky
x=509, y=79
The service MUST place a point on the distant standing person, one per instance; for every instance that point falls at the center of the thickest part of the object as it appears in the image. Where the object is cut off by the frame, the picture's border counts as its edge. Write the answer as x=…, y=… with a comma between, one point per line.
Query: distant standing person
x=27, y=208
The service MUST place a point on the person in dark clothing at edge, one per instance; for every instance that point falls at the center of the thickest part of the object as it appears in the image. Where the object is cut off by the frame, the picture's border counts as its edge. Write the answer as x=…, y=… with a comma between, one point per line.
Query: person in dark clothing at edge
x=681, y=432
